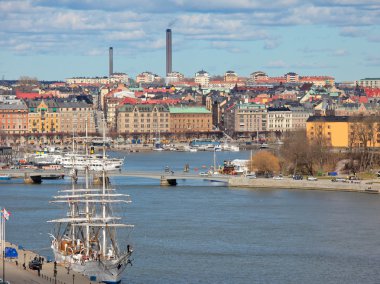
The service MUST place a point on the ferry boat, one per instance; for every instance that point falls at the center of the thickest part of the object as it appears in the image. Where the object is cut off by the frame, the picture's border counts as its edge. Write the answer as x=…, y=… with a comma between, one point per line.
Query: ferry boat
x=85, y=239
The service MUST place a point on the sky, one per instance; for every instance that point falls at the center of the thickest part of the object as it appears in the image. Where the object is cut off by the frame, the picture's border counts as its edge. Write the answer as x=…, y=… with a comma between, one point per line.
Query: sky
x=58, y=39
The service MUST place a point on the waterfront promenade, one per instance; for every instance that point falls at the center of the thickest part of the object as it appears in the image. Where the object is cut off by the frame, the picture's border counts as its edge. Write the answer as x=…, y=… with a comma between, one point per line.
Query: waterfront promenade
x=16, y=274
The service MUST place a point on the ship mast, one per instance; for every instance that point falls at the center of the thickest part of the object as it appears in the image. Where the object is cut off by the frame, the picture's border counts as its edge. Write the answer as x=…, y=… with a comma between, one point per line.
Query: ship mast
x=104, y=190
x=87, y=206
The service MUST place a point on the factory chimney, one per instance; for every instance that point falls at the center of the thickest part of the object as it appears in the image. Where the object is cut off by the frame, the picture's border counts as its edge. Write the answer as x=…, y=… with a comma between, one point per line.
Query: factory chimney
x=110, y=61
x=168, y=51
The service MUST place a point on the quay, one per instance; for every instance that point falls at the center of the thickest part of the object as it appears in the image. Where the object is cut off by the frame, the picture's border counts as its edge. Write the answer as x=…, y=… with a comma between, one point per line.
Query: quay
x=16, y=273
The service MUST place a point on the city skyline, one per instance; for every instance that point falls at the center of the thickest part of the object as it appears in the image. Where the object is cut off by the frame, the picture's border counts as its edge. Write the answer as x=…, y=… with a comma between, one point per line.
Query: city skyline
x=54, y=41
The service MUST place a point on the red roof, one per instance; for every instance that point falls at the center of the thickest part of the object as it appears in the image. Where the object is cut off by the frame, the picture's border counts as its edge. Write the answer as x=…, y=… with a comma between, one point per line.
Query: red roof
x=372, y=92
x=22, y=95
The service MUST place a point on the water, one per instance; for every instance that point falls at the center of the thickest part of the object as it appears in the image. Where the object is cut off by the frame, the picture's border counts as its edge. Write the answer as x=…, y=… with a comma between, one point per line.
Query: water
x=197, y=233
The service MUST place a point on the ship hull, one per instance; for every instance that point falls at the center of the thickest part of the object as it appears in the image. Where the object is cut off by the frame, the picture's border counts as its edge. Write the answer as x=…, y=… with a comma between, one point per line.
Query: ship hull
x=106, y=271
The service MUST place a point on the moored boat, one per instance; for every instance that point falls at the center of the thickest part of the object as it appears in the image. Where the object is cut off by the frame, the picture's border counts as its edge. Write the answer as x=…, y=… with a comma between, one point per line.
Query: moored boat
x=5, y=177
x=85, y=239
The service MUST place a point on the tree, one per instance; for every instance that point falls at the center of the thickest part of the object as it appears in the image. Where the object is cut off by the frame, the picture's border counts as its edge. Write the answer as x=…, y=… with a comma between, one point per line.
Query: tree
x=27, y=84
x=264, y=162
x=362, y=141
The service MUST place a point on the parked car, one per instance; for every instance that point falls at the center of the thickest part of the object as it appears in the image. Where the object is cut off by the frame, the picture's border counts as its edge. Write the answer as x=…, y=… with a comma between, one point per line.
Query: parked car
x=278, y=177
x=339, y=180
x=297, y=177
x=311, y=178
x=250, y=176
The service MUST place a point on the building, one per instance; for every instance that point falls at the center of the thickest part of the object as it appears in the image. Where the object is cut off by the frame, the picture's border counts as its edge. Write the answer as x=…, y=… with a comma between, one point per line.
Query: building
x=345, y=131
x=14, y=118
x=88, y=81
x=173, y=77
x=292, y=77
x=202, y=78
x=369, y=83
x=74, y=116
x=299, y=117
x=43, y=116
x=231, y=77
x=258, y=76
x=142, y=118
x=279, y=119
x=147, y=78
x=190, y=119
x=246, y=118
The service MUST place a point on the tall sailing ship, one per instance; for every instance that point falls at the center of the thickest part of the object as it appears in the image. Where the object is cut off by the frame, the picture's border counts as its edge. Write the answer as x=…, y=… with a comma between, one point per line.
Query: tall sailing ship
x=85, y=240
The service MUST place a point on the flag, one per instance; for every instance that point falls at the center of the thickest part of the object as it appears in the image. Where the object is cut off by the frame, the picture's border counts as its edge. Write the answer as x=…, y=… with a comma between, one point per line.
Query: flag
x=6, y=214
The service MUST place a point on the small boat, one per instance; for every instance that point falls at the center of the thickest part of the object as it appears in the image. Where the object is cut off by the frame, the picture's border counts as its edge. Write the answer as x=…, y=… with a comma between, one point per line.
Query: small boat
x=5, y=177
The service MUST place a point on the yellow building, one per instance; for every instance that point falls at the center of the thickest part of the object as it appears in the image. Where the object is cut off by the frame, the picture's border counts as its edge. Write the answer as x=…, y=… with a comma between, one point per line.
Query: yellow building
x=43, y=116
x=345, y=131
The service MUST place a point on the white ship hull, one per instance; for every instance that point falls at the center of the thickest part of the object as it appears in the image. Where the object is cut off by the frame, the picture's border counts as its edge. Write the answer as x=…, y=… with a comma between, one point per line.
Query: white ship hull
x=107, y=271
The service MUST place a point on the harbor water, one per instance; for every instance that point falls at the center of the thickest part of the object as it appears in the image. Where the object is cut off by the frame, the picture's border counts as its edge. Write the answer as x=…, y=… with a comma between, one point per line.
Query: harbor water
x=205, y=232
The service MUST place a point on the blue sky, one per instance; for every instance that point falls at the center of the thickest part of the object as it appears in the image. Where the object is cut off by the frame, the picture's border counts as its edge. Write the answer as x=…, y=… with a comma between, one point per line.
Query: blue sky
x=54, y=40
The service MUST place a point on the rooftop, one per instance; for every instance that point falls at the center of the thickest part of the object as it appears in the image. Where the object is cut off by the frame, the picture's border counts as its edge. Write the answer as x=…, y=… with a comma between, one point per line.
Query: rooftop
x=188, y=110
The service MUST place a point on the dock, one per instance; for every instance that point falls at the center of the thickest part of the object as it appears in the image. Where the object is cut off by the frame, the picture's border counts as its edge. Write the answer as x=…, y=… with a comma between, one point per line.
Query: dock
x=15, y=272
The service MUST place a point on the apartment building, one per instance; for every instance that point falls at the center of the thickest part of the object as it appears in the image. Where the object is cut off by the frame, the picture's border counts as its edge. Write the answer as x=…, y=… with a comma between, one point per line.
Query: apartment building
x=202, y=78
x=279, y=119
x=142, y=118
x=43, y=116
x=14, y=118
x=369, y=83
x=344, y=131
x=246, y=118
x=190, y=119
x=74, y=116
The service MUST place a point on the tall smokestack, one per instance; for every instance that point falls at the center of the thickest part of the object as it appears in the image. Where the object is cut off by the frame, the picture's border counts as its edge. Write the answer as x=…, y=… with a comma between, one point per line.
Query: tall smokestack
x=110, y=61
x=168, y=51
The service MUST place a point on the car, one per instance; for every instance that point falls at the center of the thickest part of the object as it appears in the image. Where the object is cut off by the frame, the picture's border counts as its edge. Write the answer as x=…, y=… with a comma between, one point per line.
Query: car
x=339, y=180
x=311, y=178
x=35, y=264
x=278, y=177
x=203, y=174
x=250, y=176
x=297, y=177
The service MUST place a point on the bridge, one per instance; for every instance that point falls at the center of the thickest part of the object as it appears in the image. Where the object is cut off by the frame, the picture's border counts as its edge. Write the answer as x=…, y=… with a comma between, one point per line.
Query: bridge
x=166, y=178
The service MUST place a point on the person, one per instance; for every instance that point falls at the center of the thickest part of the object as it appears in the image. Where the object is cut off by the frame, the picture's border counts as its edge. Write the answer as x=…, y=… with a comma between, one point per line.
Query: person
x=24, y=266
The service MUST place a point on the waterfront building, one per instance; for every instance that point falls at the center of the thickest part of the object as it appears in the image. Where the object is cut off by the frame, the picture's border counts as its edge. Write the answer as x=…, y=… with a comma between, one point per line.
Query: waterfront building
x=190, y=119
x=245, y=118
x=202, y=78
x=14, y=118
x=43, y=116
x=73, y=117
x=142, y=118
x=345, y=131
x=279, y=119
x=369, y=83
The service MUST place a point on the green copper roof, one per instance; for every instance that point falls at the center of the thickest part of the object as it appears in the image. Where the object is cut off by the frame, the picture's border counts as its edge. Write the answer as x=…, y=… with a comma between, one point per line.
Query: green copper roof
x=188, y=110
